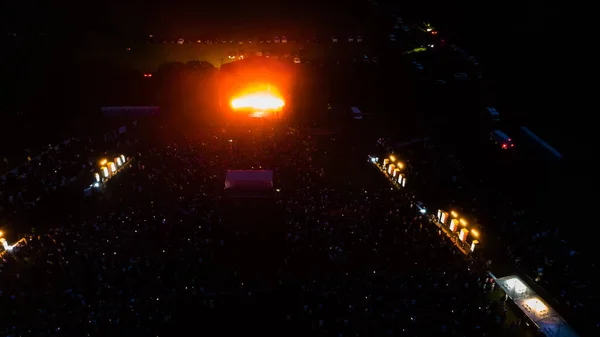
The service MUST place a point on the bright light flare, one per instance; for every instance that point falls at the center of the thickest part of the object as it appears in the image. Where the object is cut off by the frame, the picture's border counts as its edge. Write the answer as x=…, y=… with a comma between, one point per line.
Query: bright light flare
x=260, y=101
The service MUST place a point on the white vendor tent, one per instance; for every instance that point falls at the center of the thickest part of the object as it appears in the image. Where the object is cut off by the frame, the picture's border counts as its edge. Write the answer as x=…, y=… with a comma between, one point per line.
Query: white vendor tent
x=249, y=180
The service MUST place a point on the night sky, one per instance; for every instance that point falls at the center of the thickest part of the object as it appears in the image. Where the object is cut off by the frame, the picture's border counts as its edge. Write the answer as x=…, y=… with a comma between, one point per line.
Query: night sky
x=526, y=41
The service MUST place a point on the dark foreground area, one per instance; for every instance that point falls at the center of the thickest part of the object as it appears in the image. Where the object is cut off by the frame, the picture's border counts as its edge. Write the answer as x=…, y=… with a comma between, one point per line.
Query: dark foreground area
x=168, y=253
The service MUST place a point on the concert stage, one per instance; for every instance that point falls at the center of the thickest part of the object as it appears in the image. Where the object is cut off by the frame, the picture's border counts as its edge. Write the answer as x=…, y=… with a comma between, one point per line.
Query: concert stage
x=255, y=88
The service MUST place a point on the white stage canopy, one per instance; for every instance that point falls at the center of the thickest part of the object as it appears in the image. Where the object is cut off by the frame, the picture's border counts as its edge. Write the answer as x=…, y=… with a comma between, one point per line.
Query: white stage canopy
x=249, y=179
x=538, y=310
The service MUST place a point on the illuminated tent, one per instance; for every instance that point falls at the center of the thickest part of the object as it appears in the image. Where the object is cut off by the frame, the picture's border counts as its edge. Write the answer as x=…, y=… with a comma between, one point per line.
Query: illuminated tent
x=534, y=307
x=249, y=182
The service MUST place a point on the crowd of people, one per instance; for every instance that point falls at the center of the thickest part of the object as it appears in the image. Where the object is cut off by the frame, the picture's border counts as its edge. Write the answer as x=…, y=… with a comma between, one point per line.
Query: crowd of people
x=167, y=252
x=43, y=176
x=40, y=176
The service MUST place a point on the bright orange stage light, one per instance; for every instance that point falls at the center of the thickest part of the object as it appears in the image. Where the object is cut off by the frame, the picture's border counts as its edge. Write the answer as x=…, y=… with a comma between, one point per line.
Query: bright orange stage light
x=258, y=101
x=258, y=98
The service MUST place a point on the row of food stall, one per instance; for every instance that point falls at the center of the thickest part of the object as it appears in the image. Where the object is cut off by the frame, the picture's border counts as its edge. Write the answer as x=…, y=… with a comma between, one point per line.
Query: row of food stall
x=463, y=232
x=457, y=226
x=392, y=168
x=107, y=170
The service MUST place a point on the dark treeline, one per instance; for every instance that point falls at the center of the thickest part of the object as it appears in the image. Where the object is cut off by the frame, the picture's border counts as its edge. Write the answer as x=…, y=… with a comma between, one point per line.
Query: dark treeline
x=48, y=103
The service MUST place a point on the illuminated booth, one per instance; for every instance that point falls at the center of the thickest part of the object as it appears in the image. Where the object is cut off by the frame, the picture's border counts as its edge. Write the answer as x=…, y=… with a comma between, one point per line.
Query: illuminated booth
x=442, y=216
x=108, y=169
x=462, y=235
x=386, y=161
x=454, y=224
x=396, y=172
x=474, y=244
x=391, y=169
x=5, y=244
